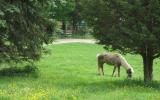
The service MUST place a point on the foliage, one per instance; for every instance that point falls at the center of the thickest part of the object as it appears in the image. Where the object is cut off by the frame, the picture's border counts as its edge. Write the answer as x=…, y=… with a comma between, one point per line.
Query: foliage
x=68, y=12
x=127, y=25
x=24, y=26
x=62, y=9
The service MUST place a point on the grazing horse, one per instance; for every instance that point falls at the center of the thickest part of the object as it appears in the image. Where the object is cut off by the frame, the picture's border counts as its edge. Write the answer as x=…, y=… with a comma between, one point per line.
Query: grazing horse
x=114, y=59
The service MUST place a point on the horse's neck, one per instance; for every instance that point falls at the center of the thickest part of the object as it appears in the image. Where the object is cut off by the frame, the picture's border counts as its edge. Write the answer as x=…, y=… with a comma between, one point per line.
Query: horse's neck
x=124, y=63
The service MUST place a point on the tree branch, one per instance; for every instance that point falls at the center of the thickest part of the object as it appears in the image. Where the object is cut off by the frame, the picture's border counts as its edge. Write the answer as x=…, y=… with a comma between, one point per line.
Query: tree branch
x=156, y=56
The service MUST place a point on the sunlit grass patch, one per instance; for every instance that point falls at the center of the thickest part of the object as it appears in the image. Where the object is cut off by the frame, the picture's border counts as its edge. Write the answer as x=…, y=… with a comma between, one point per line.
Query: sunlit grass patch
x=69, y=72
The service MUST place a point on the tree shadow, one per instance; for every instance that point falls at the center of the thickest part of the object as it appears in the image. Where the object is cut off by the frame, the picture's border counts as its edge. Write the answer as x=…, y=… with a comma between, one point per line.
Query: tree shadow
x=19, y=71
x=111, y=85
x=135, y=85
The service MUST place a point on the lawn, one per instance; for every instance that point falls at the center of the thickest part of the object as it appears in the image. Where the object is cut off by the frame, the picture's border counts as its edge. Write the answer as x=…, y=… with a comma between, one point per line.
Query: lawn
x=69, y=72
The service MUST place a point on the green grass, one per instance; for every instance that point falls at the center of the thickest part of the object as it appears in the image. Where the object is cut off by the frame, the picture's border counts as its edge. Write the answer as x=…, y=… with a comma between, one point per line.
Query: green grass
x=69, y=72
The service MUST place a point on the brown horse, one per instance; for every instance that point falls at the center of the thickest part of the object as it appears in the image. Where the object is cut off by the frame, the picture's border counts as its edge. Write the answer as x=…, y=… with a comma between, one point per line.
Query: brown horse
x=114, y=59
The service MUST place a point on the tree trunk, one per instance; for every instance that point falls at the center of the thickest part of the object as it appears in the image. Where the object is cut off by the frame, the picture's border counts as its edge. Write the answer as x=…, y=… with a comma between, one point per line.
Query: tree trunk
x=64, y=26
x=148, y=65
x=76, y=17
x=74, y=26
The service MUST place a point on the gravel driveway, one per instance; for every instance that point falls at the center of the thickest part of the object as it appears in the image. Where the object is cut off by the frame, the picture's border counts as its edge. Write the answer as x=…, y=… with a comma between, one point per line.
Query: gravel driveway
x=60, y=41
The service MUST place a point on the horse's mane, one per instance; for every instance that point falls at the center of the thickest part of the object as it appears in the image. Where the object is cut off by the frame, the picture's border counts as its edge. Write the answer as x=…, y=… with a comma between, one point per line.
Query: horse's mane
x=125, y=64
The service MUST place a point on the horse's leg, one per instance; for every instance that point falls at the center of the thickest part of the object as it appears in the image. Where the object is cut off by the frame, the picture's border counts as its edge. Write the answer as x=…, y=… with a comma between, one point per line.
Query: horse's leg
x=113, y=71
x=118, y=71
x=98, y=70
x=99, y=73
x=100, y=66
x=102, y=70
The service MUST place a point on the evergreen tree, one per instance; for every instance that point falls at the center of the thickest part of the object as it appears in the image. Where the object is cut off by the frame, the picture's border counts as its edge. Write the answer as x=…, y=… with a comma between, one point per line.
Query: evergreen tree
x=24, y=27
x=127, y=25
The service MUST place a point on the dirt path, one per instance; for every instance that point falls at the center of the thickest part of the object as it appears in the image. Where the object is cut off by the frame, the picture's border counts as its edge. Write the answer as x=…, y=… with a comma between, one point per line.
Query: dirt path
x=60, y=41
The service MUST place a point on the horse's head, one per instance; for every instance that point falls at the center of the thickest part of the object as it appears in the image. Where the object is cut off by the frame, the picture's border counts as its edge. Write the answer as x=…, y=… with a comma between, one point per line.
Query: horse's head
x=129, y=72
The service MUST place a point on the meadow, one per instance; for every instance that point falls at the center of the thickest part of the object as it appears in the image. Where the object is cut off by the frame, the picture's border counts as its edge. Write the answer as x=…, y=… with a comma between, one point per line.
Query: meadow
x=69, y=72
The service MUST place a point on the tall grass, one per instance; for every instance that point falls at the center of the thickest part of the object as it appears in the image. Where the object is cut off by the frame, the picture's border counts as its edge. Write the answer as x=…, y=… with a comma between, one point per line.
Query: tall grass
x=69, y=73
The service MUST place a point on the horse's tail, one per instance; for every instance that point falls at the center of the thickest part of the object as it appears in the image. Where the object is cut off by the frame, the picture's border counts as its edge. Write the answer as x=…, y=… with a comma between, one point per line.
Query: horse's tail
x=97, y=57
x=100, y=62
x=100, y=58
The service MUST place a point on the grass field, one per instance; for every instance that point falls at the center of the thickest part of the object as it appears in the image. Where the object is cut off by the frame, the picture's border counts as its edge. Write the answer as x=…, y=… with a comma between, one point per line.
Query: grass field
x=69, y=72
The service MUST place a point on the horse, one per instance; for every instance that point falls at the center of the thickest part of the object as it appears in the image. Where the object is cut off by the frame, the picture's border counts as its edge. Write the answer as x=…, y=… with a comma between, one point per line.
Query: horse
x=114, y=59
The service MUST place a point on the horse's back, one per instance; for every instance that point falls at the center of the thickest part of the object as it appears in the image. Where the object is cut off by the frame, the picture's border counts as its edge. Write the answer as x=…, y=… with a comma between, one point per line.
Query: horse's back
x=110, y=58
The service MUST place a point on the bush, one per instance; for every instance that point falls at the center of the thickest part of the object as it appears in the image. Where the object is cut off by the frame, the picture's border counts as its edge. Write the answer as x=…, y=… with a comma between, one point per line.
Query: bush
x=20, y=71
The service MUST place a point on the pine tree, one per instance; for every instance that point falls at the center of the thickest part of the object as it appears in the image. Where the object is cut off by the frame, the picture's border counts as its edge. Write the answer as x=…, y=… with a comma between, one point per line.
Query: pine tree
x=24, y=28
x=129, y=26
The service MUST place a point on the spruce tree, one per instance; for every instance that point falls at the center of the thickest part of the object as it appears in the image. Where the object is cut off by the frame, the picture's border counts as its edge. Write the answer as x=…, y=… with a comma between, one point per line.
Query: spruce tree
x=131, y=26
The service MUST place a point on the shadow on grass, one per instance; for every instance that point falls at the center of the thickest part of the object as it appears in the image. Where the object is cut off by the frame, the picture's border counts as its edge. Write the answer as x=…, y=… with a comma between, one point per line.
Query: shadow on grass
x=129, y=85
x=17, y=71
x=111, y=85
